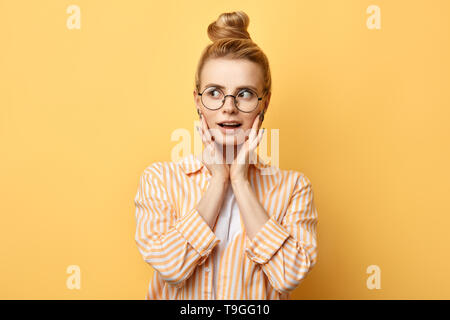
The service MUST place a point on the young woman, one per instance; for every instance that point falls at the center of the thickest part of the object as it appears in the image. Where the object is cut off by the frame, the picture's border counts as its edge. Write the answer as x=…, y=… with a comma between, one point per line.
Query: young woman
x=218, y=226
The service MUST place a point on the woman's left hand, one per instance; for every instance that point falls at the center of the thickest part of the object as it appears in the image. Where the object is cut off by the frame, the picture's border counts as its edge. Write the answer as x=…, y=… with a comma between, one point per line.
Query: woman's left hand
x=239, y=167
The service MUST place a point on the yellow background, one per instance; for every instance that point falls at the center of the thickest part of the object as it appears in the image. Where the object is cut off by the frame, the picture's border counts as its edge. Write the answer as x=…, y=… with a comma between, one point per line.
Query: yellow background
x=363, y=113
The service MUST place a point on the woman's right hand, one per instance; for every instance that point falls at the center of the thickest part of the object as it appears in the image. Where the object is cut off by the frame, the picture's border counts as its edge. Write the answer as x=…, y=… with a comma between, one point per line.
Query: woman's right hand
x=211, y=156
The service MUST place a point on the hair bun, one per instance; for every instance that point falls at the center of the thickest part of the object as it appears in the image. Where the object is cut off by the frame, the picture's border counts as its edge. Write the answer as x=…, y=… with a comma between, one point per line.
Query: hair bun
x=229, y=25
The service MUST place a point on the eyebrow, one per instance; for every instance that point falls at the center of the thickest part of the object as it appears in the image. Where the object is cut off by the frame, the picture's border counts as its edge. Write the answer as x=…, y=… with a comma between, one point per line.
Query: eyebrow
x=222, y=87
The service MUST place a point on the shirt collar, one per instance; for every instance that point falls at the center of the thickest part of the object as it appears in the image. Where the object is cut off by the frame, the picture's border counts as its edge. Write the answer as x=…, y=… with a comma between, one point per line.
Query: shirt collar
x=192, y=163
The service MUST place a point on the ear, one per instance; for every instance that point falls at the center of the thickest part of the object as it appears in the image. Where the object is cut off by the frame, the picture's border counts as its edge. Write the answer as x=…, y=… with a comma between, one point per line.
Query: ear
x=266, y=102
x=196, y=99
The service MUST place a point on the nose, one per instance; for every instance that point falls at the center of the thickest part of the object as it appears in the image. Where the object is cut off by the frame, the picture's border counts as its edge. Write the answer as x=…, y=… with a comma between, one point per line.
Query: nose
x=228, y=104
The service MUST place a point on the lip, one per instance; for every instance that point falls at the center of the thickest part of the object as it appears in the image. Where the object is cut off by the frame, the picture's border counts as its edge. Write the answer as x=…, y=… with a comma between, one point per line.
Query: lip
x=229, y=131
x=229, y=121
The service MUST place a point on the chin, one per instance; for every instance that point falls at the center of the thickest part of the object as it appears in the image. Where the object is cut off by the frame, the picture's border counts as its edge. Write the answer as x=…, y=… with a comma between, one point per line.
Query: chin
x=230, y=140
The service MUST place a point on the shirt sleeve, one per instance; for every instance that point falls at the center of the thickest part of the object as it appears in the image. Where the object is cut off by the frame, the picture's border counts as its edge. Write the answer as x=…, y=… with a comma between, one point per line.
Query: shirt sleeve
x=287, y=250
x=172, y=247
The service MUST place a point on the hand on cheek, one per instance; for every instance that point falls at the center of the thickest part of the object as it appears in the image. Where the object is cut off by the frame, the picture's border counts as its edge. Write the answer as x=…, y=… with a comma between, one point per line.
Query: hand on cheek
x=239, y=167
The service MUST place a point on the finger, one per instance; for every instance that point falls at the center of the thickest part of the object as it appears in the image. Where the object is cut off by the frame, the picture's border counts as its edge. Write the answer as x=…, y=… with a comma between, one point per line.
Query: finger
x=206, y=134
x=254, y=129
x=252, y=148
x=260, y=136
x=256, y=142
x=200, y=133
x=243, y=153
x=202, y=136
x=206, y=130
x=204, y=123
x=211, y=151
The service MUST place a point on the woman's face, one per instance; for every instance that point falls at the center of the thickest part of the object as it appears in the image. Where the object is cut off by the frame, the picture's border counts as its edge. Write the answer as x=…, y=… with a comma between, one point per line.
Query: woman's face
x=231, y=75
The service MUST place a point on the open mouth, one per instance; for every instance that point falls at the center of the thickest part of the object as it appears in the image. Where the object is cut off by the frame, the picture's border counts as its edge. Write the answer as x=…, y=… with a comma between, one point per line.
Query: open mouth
x=229, y=125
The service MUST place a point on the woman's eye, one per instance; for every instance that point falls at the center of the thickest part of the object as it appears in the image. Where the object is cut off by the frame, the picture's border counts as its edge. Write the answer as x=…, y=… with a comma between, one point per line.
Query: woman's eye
x=247, y=95
x=211, y=93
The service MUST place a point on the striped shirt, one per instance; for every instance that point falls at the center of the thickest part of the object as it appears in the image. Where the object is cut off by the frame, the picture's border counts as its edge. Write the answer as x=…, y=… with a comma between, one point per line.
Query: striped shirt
x=177, y=242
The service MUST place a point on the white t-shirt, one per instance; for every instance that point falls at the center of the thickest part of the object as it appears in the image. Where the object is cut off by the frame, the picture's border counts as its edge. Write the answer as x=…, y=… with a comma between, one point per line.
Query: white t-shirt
x=227, y=226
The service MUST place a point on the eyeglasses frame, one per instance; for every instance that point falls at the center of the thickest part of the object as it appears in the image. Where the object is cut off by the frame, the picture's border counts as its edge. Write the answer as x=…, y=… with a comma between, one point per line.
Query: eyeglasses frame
x=225, y=97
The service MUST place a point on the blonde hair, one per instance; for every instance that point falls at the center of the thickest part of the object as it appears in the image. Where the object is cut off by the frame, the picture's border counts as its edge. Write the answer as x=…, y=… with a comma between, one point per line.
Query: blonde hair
x=231, y=40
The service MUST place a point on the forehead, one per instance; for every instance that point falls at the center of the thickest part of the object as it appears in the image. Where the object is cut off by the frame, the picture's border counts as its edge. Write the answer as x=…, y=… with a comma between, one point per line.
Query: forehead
x=232, y=73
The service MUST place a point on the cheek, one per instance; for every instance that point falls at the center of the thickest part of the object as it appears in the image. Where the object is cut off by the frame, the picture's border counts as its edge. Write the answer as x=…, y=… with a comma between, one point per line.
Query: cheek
x=248, y=123
x=209, y=120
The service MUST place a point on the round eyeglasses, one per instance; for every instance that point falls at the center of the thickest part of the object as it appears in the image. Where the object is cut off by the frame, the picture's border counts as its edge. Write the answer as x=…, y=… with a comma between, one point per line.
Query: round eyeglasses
x=246, y=100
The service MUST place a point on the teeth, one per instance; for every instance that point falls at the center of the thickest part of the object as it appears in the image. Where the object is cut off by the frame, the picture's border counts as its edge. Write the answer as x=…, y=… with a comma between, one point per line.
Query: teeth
x=230, y=125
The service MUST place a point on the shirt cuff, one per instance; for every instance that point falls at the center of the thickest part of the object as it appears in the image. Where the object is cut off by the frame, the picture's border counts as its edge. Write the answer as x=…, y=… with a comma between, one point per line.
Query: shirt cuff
x=266, y=242
x=197, y=233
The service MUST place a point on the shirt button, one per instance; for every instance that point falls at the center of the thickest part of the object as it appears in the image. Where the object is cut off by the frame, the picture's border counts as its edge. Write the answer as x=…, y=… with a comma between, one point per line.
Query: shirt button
x=207, y=269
